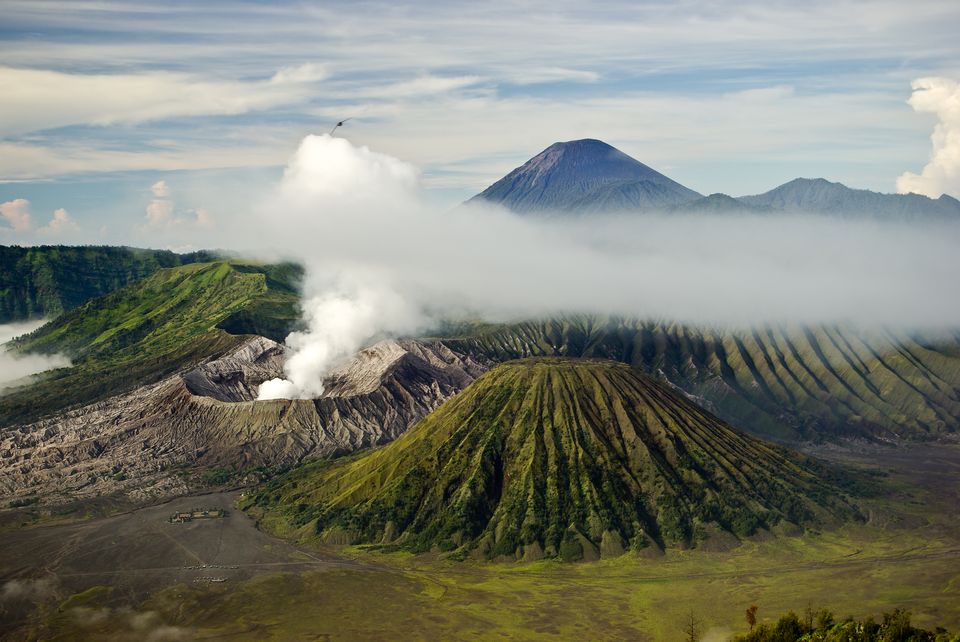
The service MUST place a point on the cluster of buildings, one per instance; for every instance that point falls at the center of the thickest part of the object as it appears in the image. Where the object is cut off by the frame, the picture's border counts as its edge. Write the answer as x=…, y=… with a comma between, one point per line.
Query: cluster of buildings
x=197, y=513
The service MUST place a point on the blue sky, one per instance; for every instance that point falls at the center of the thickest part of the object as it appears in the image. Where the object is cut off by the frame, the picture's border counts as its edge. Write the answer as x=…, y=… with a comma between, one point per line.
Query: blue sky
x=103, y=101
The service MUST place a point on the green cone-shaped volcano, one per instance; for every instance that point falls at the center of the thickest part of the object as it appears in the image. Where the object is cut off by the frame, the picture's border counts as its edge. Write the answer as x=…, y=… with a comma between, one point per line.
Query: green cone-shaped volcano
x=568, y=458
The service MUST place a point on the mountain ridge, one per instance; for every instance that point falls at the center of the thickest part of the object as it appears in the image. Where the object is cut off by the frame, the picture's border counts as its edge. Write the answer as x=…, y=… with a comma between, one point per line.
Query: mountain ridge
x=47, y=280
x=785, y=383
x=821, y=195
x=590, y=176
x=151, y=328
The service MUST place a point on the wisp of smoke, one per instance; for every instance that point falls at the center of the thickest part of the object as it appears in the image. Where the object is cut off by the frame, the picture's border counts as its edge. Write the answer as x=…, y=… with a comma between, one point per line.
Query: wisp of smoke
x=940, y=96
x=34, y=590
x=338, y=322
x=380, y=262
x=15, y=367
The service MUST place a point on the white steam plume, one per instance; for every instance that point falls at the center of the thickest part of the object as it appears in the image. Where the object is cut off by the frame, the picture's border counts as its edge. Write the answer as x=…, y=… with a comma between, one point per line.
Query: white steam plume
x=382, y=263
x=327, y=189
x=940, y=96
x=338, y=323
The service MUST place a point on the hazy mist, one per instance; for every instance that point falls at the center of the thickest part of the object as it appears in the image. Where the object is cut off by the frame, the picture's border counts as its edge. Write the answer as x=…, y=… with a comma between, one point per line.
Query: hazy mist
x=381, y=262
x=14, y=367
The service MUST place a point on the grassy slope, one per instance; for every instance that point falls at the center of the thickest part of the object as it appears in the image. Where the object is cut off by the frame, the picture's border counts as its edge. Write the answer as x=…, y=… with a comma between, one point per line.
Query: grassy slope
x=859, y=569
x=145, y=331
x=48, y=280
x=785, y=383
x=558, y=456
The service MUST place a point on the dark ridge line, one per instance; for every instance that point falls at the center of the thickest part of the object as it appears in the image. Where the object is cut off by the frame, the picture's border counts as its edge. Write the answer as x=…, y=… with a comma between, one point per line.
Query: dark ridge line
x=866, y=382
x=818, y=351
x=928, y=402
x=919, y=363
x=771, y=366
x=752, y=367
x=783, y=362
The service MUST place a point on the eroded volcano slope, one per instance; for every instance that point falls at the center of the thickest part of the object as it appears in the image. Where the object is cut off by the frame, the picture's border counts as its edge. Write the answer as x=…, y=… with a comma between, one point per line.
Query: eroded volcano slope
x=551, y=457
x=789, y=383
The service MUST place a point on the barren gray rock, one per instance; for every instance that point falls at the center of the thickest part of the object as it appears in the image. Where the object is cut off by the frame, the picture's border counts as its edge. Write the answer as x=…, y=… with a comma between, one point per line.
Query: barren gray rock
x=138, y=443
x=237, y=376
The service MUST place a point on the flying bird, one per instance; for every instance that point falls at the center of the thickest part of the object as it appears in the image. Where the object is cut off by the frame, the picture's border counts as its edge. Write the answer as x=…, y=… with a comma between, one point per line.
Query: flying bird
x=340, y=124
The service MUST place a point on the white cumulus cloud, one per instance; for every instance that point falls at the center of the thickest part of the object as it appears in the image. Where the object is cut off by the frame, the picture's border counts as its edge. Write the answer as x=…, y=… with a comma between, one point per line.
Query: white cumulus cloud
x=161, y=213
x=160, y=189
x=61, y=223
x=17, y=214
x=204, y=218
x=940, y=96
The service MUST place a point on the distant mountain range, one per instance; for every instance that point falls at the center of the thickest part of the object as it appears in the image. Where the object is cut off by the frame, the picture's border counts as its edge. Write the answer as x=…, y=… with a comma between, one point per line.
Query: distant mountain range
x=820, y=195
x=587, y=176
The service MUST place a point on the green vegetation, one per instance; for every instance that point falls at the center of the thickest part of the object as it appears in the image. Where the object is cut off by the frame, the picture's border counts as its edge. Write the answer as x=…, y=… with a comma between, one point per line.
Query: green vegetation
x=217, y=476
x=556, y=458
x=781, y=382
x=49, y=280
x=906, y=557
x=148, y=330
x=629, y=598
x=822, y=626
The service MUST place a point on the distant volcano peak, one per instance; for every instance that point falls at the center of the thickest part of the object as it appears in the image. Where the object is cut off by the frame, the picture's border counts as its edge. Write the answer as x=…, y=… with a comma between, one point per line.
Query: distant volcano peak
x=585, y=175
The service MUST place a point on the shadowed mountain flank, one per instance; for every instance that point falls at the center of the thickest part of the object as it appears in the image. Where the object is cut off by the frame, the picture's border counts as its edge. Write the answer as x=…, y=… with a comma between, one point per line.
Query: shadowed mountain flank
x=787, y=383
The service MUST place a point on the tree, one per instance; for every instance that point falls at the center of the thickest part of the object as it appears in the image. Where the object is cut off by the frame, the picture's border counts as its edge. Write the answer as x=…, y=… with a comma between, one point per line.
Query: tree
x=896, y=626
x=752, y=616
x=824, y=619
x=692, y=628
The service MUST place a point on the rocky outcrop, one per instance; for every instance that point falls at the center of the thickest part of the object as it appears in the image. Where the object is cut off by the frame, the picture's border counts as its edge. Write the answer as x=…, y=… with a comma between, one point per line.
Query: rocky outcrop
x=237, y=376
x=153, y=441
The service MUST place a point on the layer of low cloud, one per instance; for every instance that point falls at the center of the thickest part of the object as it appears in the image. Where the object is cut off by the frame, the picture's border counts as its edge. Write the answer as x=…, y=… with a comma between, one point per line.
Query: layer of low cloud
x=15, y=368
x=382, y=263
x=126, y=623
x=939, y=96
x=28, y=589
